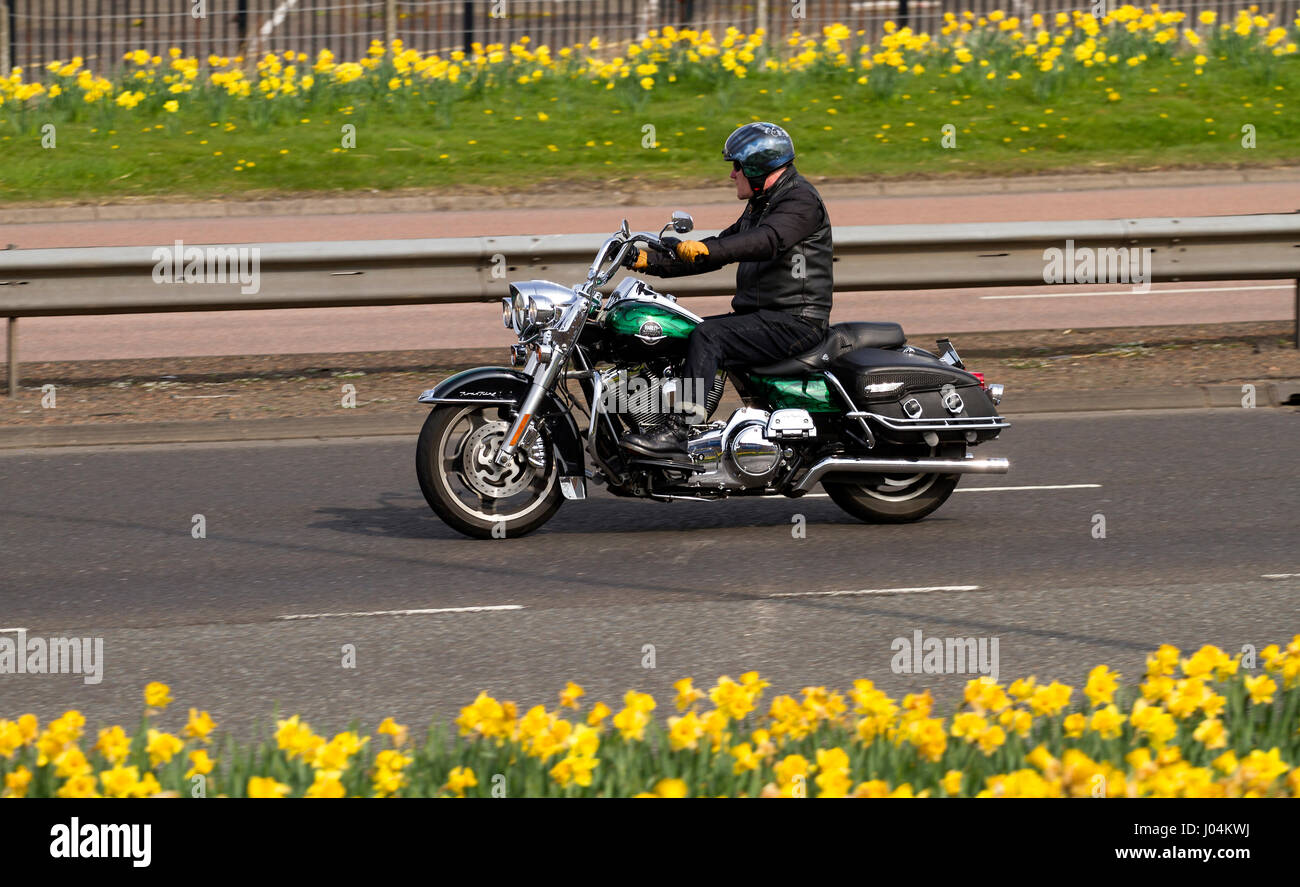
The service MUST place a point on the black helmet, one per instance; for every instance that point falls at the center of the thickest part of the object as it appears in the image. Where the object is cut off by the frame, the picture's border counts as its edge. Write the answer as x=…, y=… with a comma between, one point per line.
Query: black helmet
x=759, y=148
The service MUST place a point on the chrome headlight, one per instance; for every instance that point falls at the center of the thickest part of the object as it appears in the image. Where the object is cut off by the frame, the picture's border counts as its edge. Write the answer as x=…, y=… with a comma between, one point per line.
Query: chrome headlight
x=541, y=311
x=518, y=307
x=537, y=303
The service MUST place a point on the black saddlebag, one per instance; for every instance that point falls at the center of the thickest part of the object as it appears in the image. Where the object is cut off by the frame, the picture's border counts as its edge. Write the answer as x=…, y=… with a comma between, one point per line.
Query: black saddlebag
x=910, y=393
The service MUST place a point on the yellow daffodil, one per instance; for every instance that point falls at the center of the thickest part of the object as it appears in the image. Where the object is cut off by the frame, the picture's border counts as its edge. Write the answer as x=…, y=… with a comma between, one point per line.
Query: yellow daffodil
x=598, y=713
x=79, y=787
x=570, y=695
x=746, y=759
x=326, y=784
x=157, y=695
x=1051, y=699
x=1261, y=689
x=113, y=744
x=17, y=781
x=687, y=694
x=952, y=781
x=162, y=747
x=1108, y=722
x=199, y=725
x=398, y=732
x=1211, y=733
x=266, y=787
x=632, y=721
x=459, y=779
x=1101, y=685
x=200, y=764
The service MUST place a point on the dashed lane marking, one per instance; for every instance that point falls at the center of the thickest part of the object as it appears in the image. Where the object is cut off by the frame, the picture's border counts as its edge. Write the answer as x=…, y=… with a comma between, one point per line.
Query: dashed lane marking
x=924, y=589
x=426, y=612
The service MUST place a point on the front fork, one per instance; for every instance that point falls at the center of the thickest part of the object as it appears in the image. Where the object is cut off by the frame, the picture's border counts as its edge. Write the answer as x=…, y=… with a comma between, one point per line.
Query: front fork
x=544, y=375
x=549, y=358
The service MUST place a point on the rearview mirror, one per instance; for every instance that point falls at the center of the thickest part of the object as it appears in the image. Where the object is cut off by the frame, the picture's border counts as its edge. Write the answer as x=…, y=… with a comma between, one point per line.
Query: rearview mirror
x=682, y=222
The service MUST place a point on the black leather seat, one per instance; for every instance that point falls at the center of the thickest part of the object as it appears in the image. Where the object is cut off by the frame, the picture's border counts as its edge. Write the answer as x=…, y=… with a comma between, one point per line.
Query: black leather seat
x=840, y=339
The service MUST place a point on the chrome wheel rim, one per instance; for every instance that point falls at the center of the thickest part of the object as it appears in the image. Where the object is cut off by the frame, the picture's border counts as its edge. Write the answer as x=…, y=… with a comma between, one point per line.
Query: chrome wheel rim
x=465, y=459
x=901, y=488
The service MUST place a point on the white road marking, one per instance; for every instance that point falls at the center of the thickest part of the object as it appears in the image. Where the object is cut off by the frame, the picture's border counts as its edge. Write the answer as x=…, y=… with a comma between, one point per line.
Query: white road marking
x=993, y=489
x=1042, y=487
x=11, y=629
x=1266, y=576
x=1129, y=292
x=403, y=612
x=920, y=590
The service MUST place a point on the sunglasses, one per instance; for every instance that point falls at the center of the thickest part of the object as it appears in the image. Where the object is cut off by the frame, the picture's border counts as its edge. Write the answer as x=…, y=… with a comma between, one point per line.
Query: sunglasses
x=735, y=165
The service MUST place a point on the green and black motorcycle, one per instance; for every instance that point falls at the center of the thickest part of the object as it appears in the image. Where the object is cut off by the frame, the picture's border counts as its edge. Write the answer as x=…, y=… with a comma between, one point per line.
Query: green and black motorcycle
x=883, y=426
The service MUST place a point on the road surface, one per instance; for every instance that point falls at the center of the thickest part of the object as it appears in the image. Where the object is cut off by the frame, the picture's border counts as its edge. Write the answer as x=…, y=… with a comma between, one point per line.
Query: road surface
x=1200, y=547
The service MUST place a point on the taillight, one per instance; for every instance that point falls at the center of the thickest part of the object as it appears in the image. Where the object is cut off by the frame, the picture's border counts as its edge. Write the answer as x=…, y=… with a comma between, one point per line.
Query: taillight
x=980, y=376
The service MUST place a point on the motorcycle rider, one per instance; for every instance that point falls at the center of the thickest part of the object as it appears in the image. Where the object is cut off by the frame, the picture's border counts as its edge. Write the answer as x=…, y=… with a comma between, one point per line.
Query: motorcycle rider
x=783, y=284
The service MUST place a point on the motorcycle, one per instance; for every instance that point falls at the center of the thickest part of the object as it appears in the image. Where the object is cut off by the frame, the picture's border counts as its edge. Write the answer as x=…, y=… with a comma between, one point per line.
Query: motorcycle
x=882, y=425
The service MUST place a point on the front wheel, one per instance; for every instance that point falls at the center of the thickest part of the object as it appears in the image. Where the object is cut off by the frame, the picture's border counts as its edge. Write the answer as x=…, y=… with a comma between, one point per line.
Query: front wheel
x=455, y=461
x=890, y=498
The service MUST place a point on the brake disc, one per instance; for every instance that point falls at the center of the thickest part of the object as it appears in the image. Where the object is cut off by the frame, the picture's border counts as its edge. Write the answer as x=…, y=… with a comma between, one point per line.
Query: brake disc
x=479, y=463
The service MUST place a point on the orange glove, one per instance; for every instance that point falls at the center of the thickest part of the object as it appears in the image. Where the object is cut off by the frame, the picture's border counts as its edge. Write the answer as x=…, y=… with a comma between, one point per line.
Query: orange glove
x=636, y=260
x=690, y=250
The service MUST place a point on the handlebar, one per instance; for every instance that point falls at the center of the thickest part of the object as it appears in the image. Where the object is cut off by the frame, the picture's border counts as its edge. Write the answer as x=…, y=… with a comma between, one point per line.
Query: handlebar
x=599, y=274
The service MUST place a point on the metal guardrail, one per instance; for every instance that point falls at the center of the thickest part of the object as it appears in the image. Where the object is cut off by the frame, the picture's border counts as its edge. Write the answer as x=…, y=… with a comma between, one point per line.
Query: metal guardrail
x=120, y=280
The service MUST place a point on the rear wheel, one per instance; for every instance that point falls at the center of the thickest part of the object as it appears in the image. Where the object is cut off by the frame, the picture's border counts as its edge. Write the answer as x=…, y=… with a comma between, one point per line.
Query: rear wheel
x=894, y=498
x=455, y=461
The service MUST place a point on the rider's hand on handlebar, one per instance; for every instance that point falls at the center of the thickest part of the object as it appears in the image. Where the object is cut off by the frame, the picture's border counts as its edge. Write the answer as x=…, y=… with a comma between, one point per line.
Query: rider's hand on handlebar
x=691, y=250
x=637, y=259
x=686, y=250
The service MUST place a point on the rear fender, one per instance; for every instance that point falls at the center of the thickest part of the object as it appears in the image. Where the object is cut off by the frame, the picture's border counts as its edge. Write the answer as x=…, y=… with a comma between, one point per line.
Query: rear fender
x=506, y=388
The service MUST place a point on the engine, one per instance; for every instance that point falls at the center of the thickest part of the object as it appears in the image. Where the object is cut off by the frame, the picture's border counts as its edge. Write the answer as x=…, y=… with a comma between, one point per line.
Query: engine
x=641, y=396
x=748, y=450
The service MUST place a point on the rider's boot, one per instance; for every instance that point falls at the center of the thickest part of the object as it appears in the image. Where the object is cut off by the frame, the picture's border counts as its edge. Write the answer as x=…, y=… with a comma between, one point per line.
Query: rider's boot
x=665, y=441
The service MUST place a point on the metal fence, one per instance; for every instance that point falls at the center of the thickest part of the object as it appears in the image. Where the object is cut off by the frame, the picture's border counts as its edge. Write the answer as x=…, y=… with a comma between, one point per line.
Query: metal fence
x=101, y=31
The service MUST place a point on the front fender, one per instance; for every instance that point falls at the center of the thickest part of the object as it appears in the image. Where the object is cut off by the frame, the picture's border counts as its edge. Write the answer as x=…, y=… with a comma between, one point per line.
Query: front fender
x=506, y=387
x=481, y=384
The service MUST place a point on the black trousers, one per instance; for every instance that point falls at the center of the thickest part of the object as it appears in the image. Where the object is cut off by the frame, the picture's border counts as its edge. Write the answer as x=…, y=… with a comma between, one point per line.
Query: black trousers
x=751, y=339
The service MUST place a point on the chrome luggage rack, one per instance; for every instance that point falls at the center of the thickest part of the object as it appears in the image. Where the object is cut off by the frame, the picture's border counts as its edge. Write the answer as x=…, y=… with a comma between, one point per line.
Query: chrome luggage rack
x=966, y=423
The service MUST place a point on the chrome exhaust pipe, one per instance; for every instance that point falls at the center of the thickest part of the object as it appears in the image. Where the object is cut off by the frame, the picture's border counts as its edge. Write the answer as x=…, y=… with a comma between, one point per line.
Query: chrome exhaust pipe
x=969, y=465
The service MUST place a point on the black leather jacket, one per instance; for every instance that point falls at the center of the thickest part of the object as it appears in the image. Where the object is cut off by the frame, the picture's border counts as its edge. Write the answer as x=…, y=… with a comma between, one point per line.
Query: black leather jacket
x=775, y=230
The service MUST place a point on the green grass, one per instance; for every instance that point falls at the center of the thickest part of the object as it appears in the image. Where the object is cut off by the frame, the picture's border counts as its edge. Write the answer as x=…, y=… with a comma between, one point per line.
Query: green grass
x=841, y=129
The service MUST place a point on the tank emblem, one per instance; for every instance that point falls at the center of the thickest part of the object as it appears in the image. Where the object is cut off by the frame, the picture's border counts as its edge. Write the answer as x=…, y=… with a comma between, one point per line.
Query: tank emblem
x=650, y=332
